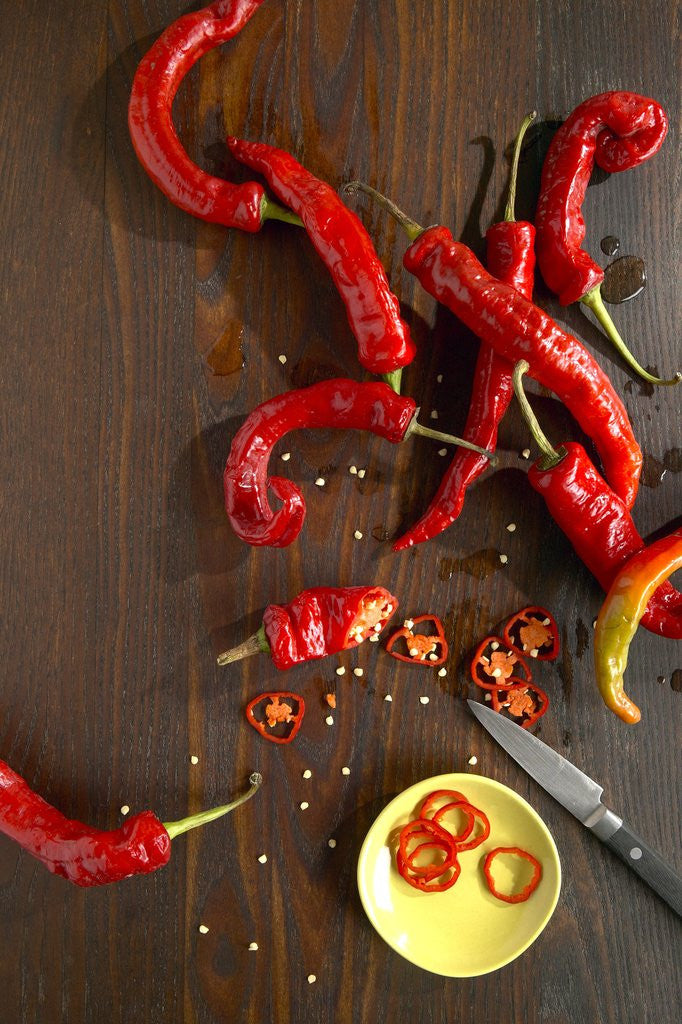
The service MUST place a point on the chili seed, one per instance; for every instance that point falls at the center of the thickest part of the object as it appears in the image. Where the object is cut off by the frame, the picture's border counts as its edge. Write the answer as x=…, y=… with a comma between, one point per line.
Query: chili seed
x=345, y=770
x=433, y=657
x=511, y=527
x=320, y=482
x=374, y=638
x=494, y=645
x=361, y=473
x=423, y=700
x=203, y=928
x=357, y=535
x=304, y=805
x=413, y=652
x=282, y=359
x=353, y=470
x=358, y=672
x=388, y=698
x=442, y=451
x=253, y=946
x=340, y=671
x=331, y=843
x=408, y=623
x=525, y=454
x=442, y=671
x=504, y=559
x=125, y=809
x=194, y=759
x=329, y=720
x=434, y=414
x=473, y=759
x=307, y=774
x=439, y=378
x=487, y=696
x=534, y=653
x=311, y=979
x=285, y=456
x=263, y=859
x=497, y=672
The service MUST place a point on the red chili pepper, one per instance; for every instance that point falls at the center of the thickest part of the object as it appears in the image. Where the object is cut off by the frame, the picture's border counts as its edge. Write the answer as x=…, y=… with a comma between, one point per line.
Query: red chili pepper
x=534, y=632
x=89, y=856
x=595, y=520
x=463, y=842
x=340, y=239
x=517, y=329
x=428, y=884
x=519, y=897
x=153, y=134
x=619, y=130
x=425, y=878
x=318, y=622
x=495, y=661
x=449, y=795
x=339, y=403
x=429, y=648
x=268, y=710
x=522, y=699
x=511, y=258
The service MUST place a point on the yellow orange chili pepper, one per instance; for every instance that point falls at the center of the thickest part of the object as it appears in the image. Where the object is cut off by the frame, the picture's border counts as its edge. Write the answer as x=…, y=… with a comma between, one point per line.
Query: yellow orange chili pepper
x=620, y=614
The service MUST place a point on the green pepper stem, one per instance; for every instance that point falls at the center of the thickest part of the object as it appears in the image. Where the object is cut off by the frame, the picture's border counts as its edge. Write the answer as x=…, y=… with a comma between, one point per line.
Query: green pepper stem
x=393, y=379
x=437, y=435
x=511, y=197
x=255, y=644
x=176, y=828
x=594, y=301
x=550, y=455
x=411, y=228
x=270, y=210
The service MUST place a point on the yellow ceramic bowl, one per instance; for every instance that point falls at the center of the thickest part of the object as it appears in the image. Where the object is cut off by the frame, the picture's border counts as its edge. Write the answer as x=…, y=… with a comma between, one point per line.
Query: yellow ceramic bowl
x=464, y=931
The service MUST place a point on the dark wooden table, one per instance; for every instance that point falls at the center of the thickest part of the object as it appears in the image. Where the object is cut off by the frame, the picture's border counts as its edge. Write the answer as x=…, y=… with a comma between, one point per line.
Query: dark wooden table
x=120, y=579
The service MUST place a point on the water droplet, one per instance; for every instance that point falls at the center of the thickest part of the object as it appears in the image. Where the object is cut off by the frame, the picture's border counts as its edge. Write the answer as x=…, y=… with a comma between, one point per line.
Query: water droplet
x=676, y=680
x=623, y=279
x=226, y=356
x=653, y=471
x=610, y=245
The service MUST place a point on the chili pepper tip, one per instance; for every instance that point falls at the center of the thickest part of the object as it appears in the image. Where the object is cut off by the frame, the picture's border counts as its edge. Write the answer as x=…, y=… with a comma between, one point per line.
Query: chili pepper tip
x=509, y=215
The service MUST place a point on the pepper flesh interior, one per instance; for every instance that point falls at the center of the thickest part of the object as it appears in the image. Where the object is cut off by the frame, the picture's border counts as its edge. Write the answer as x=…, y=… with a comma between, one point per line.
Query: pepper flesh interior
x=374, y=611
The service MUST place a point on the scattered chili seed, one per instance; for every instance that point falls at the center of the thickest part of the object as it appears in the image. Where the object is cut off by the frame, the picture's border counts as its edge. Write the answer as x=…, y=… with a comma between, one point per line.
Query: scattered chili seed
x=304, y=805
x=353, y=470
x=434, y=414
x=361, y=473
x=525, y=454
x=311, y=979
x=263, y=859
x=511, y=527
x=253, y=945
x=442, y=451
x=439, y=378
x=442, y=671
x=307, y=774
x=341, y=671
x=345, y=770
x=473, y=759
x=358, y=534
x=203, y=929
x=125, y=809
x=282, y=359
x=194, y=759
x=487, y=696
x=329, y=720
x=408, y=623
x=331, y=843
x=358, y=672
x=504, y=559
x=388, y=698
x=374, y=638
x=285, y=456
x=423, y=700
x=320, y=482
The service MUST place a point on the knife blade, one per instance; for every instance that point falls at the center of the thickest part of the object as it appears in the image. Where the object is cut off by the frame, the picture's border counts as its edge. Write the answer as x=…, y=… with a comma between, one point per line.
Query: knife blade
x=582, y=796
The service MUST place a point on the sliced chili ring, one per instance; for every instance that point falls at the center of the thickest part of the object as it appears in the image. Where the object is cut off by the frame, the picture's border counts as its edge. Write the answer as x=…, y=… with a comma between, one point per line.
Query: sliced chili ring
x=429, y=648
x=523, y=894
x=432, y=833
x=533, y=631
x=257, y=715
x=439, y=794
x=465, y=843
x=427, y=884
x=511, y=699
x=495, y=661
x=465, y=808
x=430, y=870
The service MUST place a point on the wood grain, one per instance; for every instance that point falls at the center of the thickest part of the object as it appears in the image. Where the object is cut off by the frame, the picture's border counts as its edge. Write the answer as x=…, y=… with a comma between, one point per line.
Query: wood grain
x=121, y=580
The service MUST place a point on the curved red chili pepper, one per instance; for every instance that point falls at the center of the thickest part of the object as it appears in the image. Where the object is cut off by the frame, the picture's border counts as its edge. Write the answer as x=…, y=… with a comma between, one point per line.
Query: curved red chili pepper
x=601, y=529
x=517, y=329
x=494, y=662
x=519, y=897
x=266, y=711
x=150, y=120
x=524, y=631
x=431, y=648
x=340, y=403
x=325, y=620
x=617, y=129
x=510, y=255
x=340, y=238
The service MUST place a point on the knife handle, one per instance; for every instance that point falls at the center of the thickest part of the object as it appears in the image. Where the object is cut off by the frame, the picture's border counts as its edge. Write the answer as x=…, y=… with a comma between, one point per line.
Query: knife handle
x=646, y=863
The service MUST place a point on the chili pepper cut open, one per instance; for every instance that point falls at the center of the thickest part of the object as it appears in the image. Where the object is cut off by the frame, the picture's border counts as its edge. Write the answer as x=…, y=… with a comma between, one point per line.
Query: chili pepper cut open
x=276, y=716
x=339, y=403
x=596, y=521
x=89, y=856
x=533, y=631
x=618, y=130
x=316, y=623
x=528, y=889
x=524, y=701
x=155, y=140
x=621, y=613
x=421, y=648
x=495, y=662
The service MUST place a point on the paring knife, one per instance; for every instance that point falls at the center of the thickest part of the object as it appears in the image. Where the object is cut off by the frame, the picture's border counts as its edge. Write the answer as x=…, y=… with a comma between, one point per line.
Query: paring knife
x=582, y=797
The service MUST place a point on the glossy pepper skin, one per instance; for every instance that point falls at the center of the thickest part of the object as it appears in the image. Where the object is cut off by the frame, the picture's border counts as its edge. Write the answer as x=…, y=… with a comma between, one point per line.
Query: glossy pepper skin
x=601, y=529
x=511, y=259
x=618, y=130
x=150, y=121
x=79, y=853
x=322, y=621
x=620, y=615
x=340, y=403
x=517, y=329
x=340, y=239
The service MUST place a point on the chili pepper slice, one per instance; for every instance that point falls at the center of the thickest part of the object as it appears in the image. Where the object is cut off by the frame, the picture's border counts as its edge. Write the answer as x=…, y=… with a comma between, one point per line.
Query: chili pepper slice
x=153, y=134
x=316, y=623
x=422, y=648
x=518, y=329
x=468, y=841
x=620, y=615
x=428, y=884
x=522, y=700
x=268, y=710
x=533, y=631
x=449, y=795
x=495, y=661
x=90, y=856
x=523, y=894
x=433, y=833
x=466, y=809
x=429, y=871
